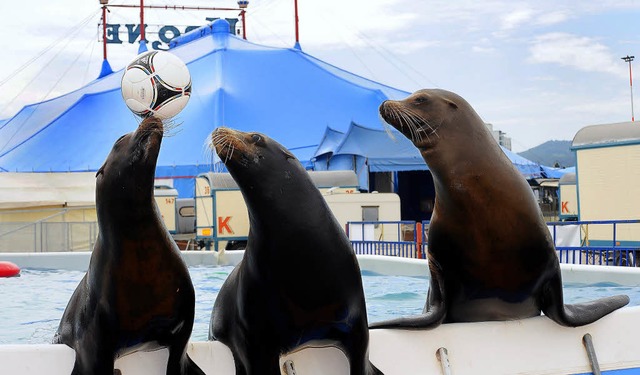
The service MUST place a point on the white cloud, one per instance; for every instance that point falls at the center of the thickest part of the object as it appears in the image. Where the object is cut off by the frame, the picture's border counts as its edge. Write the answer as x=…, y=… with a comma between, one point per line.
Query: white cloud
x=516, y=18
x=582, y=53
x=552, y=18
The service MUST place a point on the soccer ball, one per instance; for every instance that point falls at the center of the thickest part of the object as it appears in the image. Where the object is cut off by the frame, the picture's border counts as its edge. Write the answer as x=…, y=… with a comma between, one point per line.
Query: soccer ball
x=156, y=83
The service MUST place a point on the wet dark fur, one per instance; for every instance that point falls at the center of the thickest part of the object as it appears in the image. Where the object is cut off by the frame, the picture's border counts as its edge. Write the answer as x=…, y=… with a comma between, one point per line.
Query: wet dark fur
x=137, y=289
x=491, y=255
x=299, y=279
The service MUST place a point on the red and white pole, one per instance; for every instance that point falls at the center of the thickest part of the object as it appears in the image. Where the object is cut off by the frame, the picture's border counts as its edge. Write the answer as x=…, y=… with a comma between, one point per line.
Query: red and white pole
x=631, y=87
x=104, y=32
x=142, y=36
x=295, y=5
x=629, y=59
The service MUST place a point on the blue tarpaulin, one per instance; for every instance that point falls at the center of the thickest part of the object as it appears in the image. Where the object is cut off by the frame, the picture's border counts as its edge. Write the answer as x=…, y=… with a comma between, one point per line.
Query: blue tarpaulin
x=326, y=116
x=281, y=92
x=386, y=151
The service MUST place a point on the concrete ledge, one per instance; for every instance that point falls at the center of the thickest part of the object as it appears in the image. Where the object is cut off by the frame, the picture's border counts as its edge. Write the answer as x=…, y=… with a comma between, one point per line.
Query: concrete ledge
x=384, y=265
x=71, y=261
x=529, y=346
x=591, y=274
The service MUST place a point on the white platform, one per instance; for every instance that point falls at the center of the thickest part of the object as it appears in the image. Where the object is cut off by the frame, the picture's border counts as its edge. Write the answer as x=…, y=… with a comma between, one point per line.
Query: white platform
x=529, y=346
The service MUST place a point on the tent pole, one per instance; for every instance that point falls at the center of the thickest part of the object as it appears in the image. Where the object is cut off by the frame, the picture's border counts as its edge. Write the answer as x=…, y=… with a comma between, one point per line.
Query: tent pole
x=244, y=25
x=106, y=68
x=142, y=36
x=295, y=5
x=104, y=32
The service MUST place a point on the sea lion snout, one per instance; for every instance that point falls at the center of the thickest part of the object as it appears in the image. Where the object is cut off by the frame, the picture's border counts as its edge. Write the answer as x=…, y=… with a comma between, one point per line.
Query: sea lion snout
x=151, y=123
x=231, y=144
x=384, y=110
x=146, y=141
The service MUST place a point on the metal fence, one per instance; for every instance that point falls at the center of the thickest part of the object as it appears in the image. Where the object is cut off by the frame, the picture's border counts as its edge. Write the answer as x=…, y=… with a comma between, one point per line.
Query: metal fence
x=608, y=242
x=618, y=256
x=390, y=238
x=598, y=242
x=42, y=236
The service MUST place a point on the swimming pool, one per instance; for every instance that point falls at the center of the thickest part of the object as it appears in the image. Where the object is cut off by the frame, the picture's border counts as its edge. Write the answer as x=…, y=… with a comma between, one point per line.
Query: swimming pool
x=32, y=305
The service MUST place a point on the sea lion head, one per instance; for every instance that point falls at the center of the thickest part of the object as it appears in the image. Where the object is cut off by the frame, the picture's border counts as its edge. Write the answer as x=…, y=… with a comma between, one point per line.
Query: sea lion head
x=421, y=115
x=127, y=175
x=259, y=164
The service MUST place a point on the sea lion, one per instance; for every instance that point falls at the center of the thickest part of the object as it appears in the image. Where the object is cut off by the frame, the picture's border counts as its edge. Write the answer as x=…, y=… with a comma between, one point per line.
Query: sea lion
x=491, y=255
x=137, y=290
x=299, y=279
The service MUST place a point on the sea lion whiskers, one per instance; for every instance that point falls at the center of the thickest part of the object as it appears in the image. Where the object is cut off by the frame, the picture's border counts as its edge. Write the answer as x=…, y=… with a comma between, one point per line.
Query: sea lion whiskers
x=387, y=128
x=393, y=113
x=171, y=128
x=208, y=152
x=407, y=120
x=144, y=134
x=227, y=141
x=217, y=139
x=419, y=122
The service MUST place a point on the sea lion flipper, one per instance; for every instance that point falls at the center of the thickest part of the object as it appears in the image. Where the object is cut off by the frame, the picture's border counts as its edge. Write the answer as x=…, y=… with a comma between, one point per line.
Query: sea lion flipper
x=579, y=314
x=434, y=310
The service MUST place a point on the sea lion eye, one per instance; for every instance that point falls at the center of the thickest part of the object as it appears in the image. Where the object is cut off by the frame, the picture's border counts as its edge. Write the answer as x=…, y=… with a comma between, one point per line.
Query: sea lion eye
x=420, y=100
x=287, y=154
x=256, y=138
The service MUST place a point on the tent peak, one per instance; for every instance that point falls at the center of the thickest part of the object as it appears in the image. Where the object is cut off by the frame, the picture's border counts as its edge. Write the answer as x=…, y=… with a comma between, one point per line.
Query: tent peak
x=105, y=70
x=220, y=26
x=143, y=46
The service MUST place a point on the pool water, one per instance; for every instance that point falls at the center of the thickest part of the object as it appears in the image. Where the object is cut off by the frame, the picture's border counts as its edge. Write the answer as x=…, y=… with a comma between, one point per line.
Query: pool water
x=31, y=305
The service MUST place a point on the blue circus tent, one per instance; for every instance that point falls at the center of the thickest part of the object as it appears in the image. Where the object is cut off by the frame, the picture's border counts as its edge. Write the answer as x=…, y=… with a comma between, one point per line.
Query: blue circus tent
x=364, y=150
x=375, y=150
x=283, y=92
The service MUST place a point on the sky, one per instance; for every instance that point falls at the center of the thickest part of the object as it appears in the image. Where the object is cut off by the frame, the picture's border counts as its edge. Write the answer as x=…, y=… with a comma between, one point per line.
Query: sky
x=536, y=70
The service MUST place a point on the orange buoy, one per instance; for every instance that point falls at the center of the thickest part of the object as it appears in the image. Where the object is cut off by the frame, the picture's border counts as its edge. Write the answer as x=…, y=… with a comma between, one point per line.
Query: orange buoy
x=8, y=269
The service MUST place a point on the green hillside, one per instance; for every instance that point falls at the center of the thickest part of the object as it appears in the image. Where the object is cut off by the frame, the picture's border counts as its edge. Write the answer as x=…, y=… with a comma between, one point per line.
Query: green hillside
x=550, y=153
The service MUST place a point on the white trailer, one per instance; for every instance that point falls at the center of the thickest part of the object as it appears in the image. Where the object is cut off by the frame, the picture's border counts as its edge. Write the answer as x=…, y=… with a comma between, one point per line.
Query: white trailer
x=608, y=177
x=222, y=220
x=165, y=196
x=568, y=198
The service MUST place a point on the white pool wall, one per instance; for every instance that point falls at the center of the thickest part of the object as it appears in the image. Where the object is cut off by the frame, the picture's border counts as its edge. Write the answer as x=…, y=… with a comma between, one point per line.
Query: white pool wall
x=384, y=265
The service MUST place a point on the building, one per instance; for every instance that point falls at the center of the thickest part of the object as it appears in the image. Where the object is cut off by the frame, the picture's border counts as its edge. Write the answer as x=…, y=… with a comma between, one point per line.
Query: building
x=500, y=137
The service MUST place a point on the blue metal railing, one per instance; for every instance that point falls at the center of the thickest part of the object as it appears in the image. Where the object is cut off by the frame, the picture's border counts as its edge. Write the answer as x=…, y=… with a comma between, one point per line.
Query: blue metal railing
x=601, y=249
x=410, y=240
x=390, y=238
x=611, y=256
x=425, y=238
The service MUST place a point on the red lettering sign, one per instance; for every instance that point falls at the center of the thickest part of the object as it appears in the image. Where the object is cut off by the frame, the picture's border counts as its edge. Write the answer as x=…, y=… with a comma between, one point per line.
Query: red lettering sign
x=223, y=224
x=564, y=207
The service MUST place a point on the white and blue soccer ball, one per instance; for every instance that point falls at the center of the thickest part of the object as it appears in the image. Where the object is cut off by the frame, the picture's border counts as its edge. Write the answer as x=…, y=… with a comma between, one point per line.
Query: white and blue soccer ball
x=156, y=83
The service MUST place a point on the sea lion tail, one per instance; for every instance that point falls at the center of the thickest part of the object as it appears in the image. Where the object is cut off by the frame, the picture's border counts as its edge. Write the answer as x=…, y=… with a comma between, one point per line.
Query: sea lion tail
x=431, y=319
x=432, y=316
x=579, y=314
x=434, y=310
x=373, y=370
x=190, y=367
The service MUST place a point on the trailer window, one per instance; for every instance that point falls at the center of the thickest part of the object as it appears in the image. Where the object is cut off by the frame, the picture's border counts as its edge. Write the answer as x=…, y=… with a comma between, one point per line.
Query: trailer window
x=187, y=211
x=370, y=213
